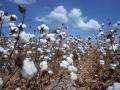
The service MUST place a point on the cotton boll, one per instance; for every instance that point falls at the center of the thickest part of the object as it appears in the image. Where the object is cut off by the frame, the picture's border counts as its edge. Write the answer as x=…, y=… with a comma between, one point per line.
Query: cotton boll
x=110, y=88
x=64, y=64
x=71, y=55
x=73, y=76
x=50, y=72
x=23, y=26
x=12, y=24
x=40, y=50
x=13, y=17
x=43, y=66
x=43, y=41
x=113, y=66
x=1, y=13
x=29, y=52
x=72, y=68
x=100, y=34
x=64, y=56
x=1, y=81
x=101, y=62
x=1, y=49
x=69, y=60
x=18, y=88
x=45, y=27
x=25, y=37
x=115, y=86
x=112, y=30
x=108, y=40
x=28, y=69
x=46, y=58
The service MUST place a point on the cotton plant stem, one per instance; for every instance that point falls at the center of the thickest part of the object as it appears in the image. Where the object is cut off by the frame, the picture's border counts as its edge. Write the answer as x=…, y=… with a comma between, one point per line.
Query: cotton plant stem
x=15, y=45
x=9, y=78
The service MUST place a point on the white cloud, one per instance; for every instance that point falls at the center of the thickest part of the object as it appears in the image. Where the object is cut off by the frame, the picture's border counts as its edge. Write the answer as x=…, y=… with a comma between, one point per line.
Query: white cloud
x=23, y=1
x=42, y=19
x=60, y=14
x=74, y=18
x=82, y=22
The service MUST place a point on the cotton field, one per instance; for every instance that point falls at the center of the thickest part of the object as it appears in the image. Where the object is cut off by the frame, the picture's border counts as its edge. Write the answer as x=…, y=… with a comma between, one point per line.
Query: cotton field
x=54, y=60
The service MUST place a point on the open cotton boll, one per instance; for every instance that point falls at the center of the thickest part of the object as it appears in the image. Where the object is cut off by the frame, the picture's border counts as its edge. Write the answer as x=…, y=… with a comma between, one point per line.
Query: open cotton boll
x=69, y=60
x=101, y=62
x=29, y=52
x=72, y=68
x=100, y=34
x=1, y=13
x=50, y=72
x=1, y=49
x=108, y=40
x=22, y=25
x=45, y=27
x=73, y=76
x=43, y=41
x=25, y=37
x=113, y=66
x=64, y=64
x=115, y=86
x=28, y=69
x=71, y=55
x=13, y=28
x=12, y=24
x=40, y=50
x=43, y=66
x=113, y=47
x=1, y=81
x=18, y=88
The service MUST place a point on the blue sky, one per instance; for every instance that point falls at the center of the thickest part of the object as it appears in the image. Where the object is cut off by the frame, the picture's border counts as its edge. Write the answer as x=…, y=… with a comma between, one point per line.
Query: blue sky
x=81, y=16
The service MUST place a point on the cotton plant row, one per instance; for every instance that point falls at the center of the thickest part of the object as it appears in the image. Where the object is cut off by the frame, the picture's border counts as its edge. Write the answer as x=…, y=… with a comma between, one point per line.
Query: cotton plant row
x=108, y=45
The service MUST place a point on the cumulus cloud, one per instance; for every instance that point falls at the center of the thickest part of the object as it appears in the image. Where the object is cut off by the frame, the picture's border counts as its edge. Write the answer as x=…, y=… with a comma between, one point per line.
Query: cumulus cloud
x=60, y=14
x=42, y=19
x=23, y=1
x=74, y=18
x=82, y=22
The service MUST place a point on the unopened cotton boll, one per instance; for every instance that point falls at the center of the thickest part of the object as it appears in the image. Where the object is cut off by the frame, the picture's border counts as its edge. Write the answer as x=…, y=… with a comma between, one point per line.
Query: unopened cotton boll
x=73, y=76
x=43, y=66
x=1, y=81
x=72, y=68
x=64, y=64
x=28, y=69
x=69, y=60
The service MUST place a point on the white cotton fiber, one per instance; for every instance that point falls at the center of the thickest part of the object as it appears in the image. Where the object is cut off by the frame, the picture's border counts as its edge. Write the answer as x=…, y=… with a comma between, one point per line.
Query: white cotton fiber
x=43, y=66
x=28, y=69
